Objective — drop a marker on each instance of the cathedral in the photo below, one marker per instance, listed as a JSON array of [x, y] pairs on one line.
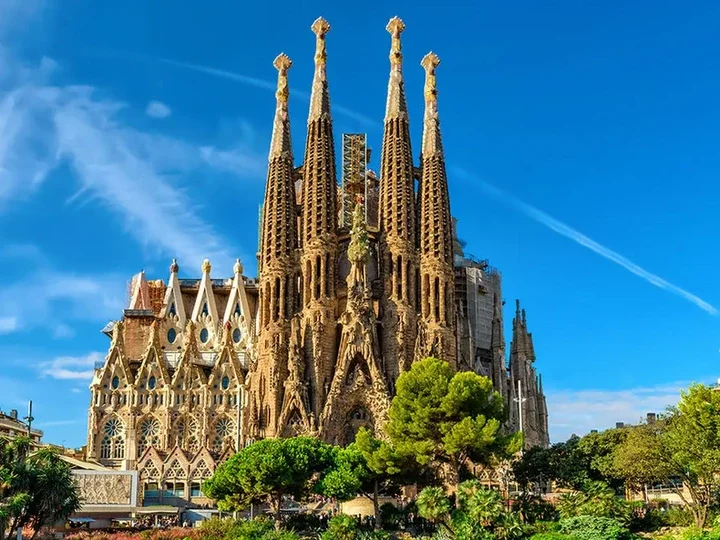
[[357, 280]]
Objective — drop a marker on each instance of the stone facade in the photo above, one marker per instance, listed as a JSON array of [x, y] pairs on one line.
[[198, 368]]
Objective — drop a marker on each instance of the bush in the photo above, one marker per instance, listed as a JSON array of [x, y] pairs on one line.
[[534, 508], [594, 528], [551, 536], [595, 499], [342, 527]]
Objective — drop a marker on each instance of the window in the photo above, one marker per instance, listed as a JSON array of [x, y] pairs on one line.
[[237, 335], [172, 310], [149, 435], [171, 335], [195, 490], [115, 383], [237, 309], [204, 335], [152, 382], [205, 309], [112, 445], [225, 382]]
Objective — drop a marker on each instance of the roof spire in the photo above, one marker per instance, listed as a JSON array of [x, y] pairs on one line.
[[432, 142], [396, 104], [320, 98], [280, 145]]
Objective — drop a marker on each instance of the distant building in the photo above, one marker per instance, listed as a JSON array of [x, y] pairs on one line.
[[11, 426]]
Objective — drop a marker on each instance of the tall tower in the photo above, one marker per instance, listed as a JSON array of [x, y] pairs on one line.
[[397, 221], [278, 271], [437, 328], [319, 231]]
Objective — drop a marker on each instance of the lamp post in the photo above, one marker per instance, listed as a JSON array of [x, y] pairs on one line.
[[520, 400], [29, 419]]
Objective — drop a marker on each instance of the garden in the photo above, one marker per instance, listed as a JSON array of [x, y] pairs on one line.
[[442, 426]]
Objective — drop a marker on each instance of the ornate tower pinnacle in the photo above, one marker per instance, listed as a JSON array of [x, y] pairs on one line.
[[397, 219], [319, 97], [206, 266], [432, 142], [436, 237], [319, 229], [395, 26], [281, 145]]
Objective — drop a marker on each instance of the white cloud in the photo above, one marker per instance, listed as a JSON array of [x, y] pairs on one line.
[[579, 411], [157, 109], [8, 325], [76, 390], [44, 296], [579, 238], [136, 174], [71, 367]]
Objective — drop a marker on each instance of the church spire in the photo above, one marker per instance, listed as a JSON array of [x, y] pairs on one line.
[[319, 179], [397, 198], [436, 260], [278, 238]]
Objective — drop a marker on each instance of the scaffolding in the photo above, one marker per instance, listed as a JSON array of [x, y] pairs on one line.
[[354, 175]]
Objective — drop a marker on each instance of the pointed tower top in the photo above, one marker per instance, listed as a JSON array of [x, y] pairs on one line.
[[517, 307], [319, 98], [174, 268], [206, 266], [432, 142], [282, 63], [430, 62], [395, 26], [238, 268], [280, 143], [320, 28]]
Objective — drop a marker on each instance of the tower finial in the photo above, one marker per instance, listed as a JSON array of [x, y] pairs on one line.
[[206, 266], [238, 267], [282, 63], [320, 97], [395, 26], [320, 28], [174, 267], [430, 62], [517, 306], [280, 143]]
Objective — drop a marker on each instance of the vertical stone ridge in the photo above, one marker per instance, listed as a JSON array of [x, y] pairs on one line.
[[319, 232], [397, 221], [435, 224]]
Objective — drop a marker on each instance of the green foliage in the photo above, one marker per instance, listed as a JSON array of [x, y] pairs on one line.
[[691, 447], [480, 513], [443, 417], [533, 508], [594, 528], [342, 527], [36, 488], [260, 528], [551, 536], [640, 459], [433, 504], [269, 469], [595, 499]]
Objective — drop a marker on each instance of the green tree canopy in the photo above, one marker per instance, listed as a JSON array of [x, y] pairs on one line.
[[36, 488], [446, 418], [691, 448], [269, 469]]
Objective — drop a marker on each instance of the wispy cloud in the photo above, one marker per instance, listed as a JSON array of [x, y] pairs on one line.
[[579, 238], [8, 325], [71, 367], [134, 173], [261, 83], [157, 109], [62, 331], [579, 411]]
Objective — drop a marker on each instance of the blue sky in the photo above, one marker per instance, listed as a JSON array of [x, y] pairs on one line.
[[581, 140]]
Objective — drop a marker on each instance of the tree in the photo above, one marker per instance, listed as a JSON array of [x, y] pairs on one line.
[[447, 419], [36, 488], [597, 451], [268, 470], [369, 467], [640, 459], [534, 466], [691, 448]]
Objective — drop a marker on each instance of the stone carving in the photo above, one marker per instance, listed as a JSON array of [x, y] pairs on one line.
[[100, 489]]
